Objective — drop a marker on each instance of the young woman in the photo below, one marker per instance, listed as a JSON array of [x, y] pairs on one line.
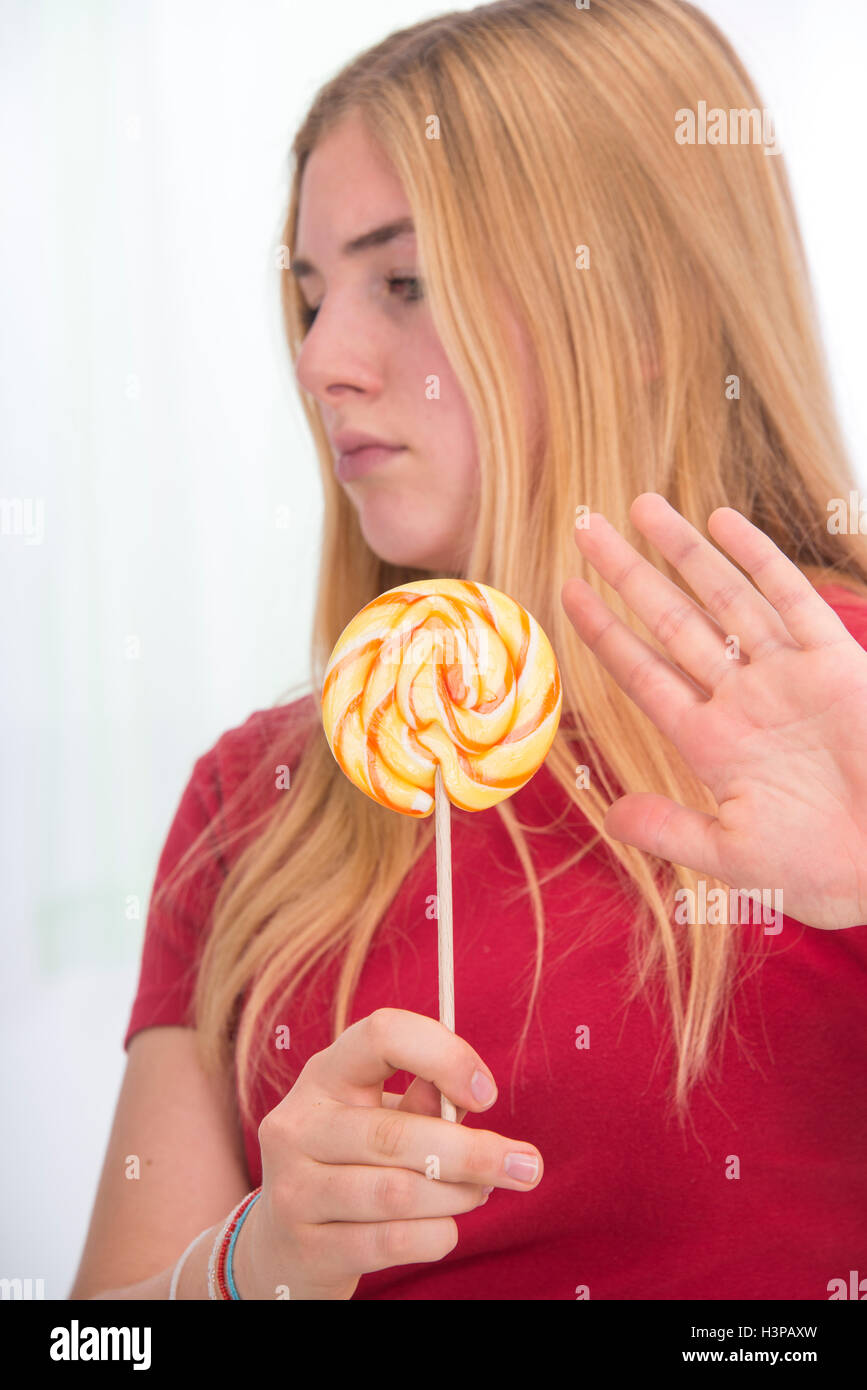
[[570, 339]]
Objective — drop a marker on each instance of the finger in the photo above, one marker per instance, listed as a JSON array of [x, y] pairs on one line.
[[804, 613], [660, 826], [663, 692], [365, 1055], [341, 1249], [423, 1098], [424, 1143], [362, 1192], [695, 641], [736, 605]]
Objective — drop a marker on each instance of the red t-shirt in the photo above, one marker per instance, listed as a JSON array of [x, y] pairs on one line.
[[630, 1206]]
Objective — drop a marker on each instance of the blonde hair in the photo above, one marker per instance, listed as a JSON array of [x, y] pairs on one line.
[[556, 130]]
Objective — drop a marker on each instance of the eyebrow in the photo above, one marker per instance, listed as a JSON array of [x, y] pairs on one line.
[[377, 237]]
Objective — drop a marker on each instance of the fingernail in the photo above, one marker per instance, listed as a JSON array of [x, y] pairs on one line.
[[487, 1190], [524, 1167], [482, 1087]]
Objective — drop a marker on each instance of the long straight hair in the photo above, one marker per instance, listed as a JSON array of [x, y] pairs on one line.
[[536, 143]]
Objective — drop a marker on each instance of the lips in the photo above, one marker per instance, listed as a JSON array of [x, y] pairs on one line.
[[347, 441], [359, 461], [358, 452]]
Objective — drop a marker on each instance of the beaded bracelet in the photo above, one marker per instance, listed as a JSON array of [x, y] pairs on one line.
[[217, 1286], [254, 1197], [221, 1284]]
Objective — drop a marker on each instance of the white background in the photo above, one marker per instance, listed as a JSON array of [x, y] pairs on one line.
[[146, 398]]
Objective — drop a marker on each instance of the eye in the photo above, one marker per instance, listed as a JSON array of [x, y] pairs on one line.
[[414, 293], [414, 283]]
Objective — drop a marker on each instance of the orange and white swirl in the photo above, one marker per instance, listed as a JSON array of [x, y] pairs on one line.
[[448, 672]]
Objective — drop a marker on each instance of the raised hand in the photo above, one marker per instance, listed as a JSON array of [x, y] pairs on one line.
[[774, 721]]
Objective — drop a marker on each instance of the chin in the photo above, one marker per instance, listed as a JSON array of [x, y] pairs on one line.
[[404, 557], [397, 551], [397, 545]]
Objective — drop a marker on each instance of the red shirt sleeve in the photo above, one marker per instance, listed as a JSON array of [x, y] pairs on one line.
[[176, 928]]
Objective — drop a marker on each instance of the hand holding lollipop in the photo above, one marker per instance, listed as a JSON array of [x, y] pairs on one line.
[[440, 691]]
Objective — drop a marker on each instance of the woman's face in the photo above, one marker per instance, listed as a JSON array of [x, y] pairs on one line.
[[371, 353]]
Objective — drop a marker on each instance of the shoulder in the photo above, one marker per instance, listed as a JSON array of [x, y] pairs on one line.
[[268, 739]]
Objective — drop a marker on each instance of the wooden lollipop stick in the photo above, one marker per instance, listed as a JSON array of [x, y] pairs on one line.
[[445, 943]]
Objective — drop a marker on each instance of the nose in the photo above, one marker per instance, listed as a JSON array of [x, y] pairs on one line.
[[339, 358]]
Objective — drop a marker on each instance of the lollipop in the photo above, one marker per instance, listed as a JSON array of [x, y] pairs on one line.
[[441, 691]]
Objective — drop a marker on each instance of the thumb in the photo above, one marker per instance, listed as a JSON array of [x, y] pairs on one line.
[[660, 826]]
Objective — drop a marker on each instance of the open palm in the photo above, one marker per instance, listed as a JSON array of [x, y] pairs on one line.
[[767, 704]]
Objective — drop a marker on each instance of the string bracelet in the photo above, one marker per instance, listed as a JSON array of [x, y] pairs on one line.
[[173, 1291]]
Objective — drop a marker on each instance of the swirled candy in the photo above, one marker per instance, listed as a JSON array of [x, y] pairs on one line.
[[441, 672]]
